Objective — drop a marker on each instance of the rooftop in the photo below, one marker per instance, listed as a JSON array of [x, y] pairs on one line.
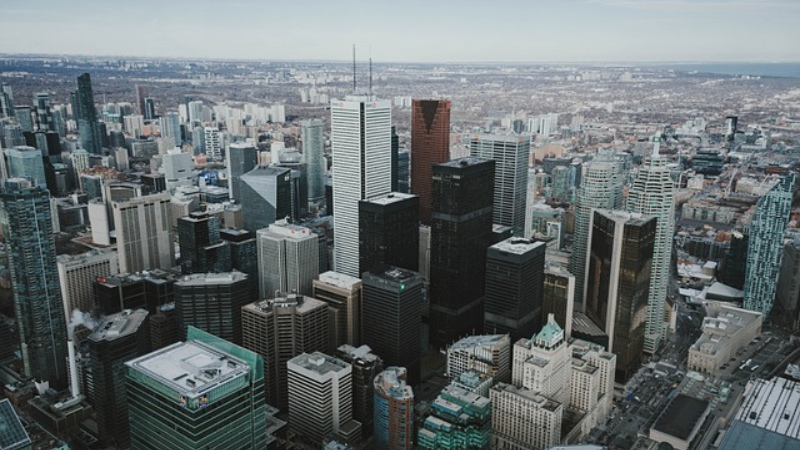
[[288, 230], [300, 302], [487, 340], [319, 363], [539, 400], [362, 354], [772, 405], [744, 435], [681, 416], [119, 325], [12, 434], [463, 162], [392, 197], [204, 279], [339, 280], [518, 245]]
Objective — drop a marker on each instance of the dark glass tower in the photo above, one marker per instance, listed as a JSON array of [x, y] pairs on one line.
[[242, 158], [388, 232], [113, 294], [618, 282], [395, 158], [392, 317], [28, 229], [430, 144], [91, 139], [202, 249], [735, 261], [213, 302], [461, 231], [266, 193], [514, 287]]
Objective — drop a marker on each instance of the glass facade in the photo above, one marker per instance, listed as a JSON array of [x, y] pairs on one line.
[[91, 138], [266, 193], [389, 232], [430, 144], [213, 303]]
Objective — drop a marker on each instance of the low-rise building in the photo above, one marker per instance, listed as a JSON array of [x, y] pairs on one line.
[[726, 329]]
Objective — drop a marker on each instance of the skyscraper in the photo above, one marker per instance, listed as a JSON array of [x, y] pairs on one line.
[[618, 282], [144, 233], [26, 162], [652, 195], [213, 145], [559, 296], [242, 158], [510, 153], [77, 274], [213, 303], [514, 287], [91, 139], [314, 157], [765, 247], [203, 384], [342, 293], [430, 144], [388, 232], [171, 127], [267, 192], [366, 365], [141, 94], [394, 410], [288, 259], [361, 148], [44, 117], [461, 231], [28, 229], [202, 249], [280, 329], [392, 314], [601, 188]]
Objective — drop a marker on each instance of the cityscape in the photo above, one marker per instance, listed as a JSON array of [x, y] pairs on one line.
[[353, 252]]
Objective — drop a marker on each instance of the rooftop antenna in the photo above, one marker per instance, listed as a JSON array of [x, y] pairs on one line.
[[370, 75], [354, 68]]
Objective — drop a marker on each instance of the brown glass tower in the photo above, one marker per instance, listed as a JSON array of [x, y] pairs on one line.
[[430, 144]]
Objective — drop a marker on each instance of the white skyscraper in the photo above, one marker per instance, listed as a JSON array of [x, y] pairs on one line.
[[178, 166], [144, 233], [288, 259], [652, 194], [213, 144], [361, 144], [77, 274]]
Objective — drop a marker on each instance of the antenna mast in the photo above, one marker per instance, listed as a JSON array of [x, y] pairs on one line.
[[354, 68], [370, 76]]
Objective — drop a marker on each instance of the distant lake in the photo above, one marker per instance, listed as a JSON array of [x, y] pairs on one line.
[[784, 70]]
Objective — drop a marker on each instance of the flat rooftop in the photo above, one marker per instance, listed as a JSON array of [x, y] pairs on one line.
[[339, 280], [518, 245], [301, 303], [204, 279], [319, 363], [286, 230], [463, 162], [772, 405], [744, 435], [119, 325], [681, 416], [479, 341], [539, 400], [387, 199], [12, 434]]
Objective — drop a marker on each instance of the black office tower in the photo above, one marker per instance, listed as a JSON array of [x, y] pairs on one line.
[[213, 303], [388, 232], [89, 128], [461, 231], [202, 249], [392, 317], [244, 254], [514, 287], [116, 293], [395, 159]]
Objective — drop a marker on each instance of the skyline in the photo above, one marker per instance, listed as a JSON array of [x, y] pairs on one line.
[[709, 31]]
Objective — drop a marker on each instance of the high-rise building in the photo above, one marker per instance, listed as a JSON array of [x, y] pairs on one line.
[[514, 287], [204, 384], [559, 296], [388, 232], [178, 168], [144, 233], [202, 249], [395, 158], [542, 363], [288, 259], [652, 194], [26, 162], [394, 410], [320, 397], [618, 282], [171, 127], [280, 329], [403, 171], [787, 299], [118, 338], [523, 419], [118, 292], [458, 419], [44, 117], [361, 149], [510, 153], [489, 354], [141, 93], [213, 303], [6, 101], [342, 293], [314, 157], [27, 227], [242, 158], [267, 194], [430, 145], [91, 138], [734, 264], [212, 143], [392, 317], [77, 275], [601, 188], [244, 254], [366, 366], [149, 112], [461, 231], [24, 118], [765, 247]]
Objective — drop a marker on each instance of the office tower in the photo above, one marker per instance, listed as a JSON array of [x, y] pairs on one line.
[[198, 140], [458, 419], [489, 354], [299, 182], [734, 263], [395, 160], [765, 247], [314, 157], [141, 95], [430, 145], [541, 364], [202, 249], [149, 112], [266, 192], [514, 287], [361, 169], [618, 282], [244, 254], [7, 347], [544, 125], [601, 188], [394, 410], [366, 366], [403, 171], [559, 296], [591, 382], [165, 327], [652, 194], [461, 231], [178, 169], [44, 118], [522, 419], [77, 275], [560, 189], [24, 118], [203, 384], [13, 135], [388, 232], [195, 110], [6, 101], [242, 158], [26, 162], [118, 292], [288, 259], [144, 233], [787, 298], [392, 317], [320, 397], [731, 123], [510, 153], [280, 329], [212, 145], [213, 303], [91, 138], [342, 293], [171, 127], [118, 338], [28, 231]]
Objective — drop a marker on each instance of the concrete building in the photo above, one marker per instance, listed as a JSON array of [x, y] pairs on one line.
[[394, 410], [457, 419], [366, 366], [77, 274], [288, 259], [725, 330], [178, 168], [144, 233], [212, 143], [489, 354], [787, 302], [523, 419], [542, 363], [343, 294], [680, 421], [213, 302]]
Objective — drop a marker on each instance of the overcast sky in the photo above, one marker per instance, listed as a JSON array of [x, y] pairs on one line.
[[410, 30]]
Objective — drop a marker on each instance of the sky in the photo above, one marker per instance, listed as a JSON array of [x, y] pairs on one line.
[[410, 30]]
